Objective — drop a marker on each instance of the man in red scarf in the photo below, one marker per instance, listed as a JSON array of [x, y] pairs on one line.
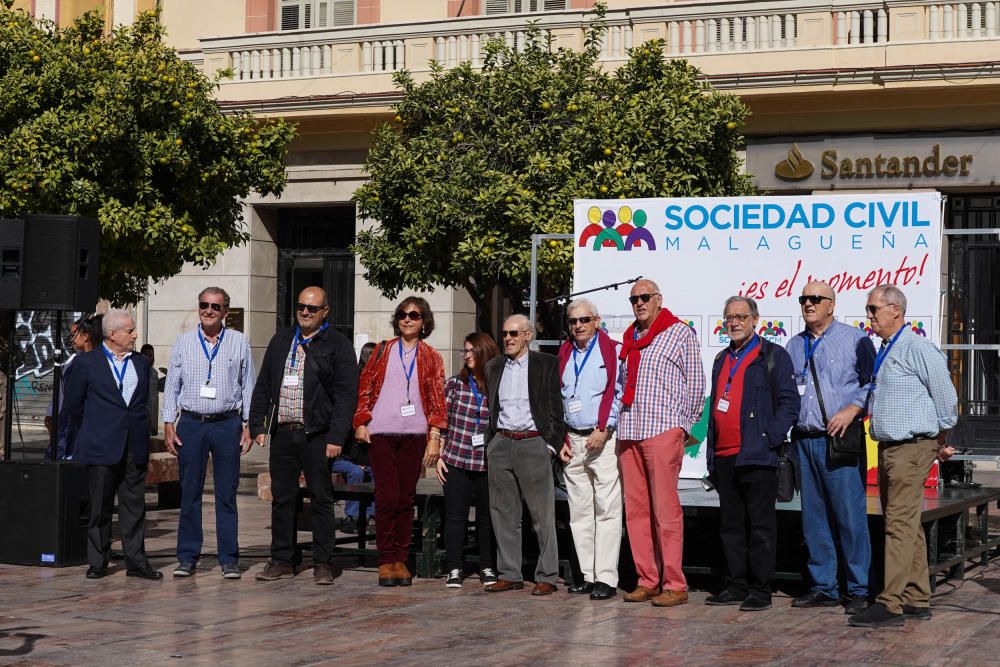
[[663, 398]]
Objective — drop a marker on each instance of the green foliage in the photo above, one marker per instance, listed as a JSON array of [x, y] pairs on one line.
[[120, 128], [477, 162]]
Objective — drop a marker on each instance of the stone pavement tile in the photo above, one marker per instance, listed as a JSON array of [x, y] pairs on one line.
[[710, 654]]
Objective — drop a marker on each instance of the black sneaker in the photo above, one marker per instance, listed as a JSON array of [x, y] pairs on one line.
[[454, 579], [753, 603], [919, 613], [488, 576], [856, 604], [184, 569], [876, 616], [815, 599], [723, 599]]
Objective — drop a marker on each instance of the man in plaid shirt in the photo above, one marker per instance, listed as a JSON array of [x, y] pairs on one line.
[[664, 393]]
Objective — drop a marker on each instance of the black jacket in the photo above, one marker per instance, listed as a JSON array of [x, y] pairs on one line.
[[544, 395], [330, 384]]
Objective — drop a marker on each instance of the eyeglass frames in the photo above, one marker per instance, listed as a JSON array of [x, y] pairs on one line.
[[414, 315], [205, 305], [814, 299], [582, 320], [513, 333], [634, 299], [299, 307], [871, 310]]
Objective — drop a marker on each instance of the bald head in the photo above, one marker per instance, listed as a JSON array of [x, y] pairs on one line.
[[646, 302], [311, 310], [517, 333], [817, 303], [820, 287]]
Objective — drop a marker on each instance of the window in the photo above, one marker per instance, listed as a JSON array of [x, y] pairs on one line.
[[305, 14], [520, 6]]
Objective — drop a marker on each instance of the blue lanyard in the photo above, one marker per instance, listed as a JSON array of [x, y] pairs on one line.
[[479, 399], [215, 350], [114, 369], [299, 340], [739, 360], [579, 369], [811, 349], [408, 372], [880, 357]]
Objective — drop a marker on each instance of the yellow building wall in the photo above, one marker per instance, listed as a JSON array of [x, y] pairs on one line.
[[188, 20], [405, 11]]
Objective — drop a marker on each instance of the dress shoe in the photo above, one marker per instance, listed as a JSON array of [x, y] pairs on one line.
[[586, 587], [642, 594], [323, 574], [919, 613], [403, 576], [857, 604], [603, 592], [349, 525], [754, 603], [669, 599], [815, 599], [544, 588], [275, 569], [505, 585], [97, 572], [144, 572], [387, 574], [876, 616], [724, 598]]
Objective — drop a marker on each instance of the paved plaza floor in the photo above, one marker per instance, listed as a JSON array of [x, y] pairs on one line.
[[57, 617]]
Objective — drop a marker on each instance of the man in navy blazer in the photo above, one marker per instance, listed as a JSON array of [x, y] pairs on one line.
[[106, 400]]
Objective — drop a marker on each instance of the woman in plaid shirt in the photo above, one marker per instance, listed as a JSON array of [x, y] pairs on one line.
[[462, 466]]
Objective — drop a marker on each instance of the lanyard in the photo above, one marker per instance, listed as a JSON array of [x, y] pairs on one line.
[[739, 360], [408, 372], [811, 349], [882, 354], [579, 369], [299, 340], [114, 368], [479, 399], [215, 350]]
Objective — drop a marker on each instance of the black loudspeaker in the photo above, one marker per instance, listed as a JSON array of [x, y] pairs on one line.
[[60, 263], [45, 510], [11, 263]]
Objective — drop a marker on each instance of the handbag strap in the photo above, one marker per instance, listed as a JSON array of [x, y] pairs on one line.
[[819, 392], [782, 449]]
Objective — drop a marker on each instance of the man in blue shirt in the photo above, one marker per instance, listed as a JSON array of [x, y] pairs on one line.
[[833, 494], [912, 405], [591, 391]]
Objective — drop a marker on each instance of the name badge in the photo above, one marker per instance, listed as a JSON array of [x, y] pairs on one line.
[[290, 381], [802, 389], [206, 391], [408, 410], [723, 405], [574, 406], [479, 440], [800, 383]]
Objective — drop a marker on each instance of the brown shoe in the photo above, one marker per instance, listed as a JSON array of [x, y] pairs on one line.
[[641, 594], [323, 574], [670, 599], [387, 574], [543, 588], [275, 569], [504, 585], [403, 576]]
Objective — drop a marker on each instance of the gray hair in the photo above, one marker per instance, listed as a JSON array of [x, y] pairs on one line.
[[114, 320], [521, 319], [582, 303], [742, 299], [216, 290], [891, 294]]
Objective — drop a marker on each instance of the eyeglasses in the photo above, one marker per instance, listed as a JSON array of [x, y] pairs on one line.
[[582, 320], [468, 352], [814, 299], [205, 305], [634, 299], [513, 333], [299, 307], [414, 315], [874, 309], [737, 317]]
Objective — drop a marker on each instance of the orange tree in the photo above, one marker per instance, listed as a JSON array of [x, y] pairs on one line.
[[118, 127], [476, 162]]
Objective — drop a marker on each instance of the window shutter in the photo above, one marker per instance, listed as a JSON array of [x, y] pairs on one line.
[[497, 7], [290, 15], [343, 12], [322, 14], [554, 5]]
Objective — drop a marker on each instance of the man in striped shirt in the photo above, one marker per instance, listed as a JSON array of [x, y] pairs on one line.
[[206, 405], [664, 394]]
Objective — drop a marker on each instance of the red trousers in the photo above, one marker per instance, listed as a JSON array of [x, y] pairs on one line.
[[396, 461]]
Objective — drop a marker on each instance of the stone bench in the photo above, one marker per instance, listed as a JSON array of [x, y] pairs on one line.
[[164, 472]]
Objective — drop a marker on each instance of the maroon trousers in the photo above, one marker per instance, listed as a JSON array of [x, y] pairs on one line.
[[396, 462]]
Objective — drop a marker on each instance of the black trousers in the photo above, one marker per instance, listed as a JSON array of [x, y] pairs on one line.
[[128, 481], [748, 525], [291, 453], [460, 487]]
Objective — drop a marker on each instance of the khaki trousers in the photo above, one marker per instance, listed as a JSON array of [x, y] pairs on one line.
[[594, 488]]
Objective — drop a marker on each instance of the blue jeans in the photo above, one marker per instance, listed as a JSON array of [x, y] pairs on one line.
[[353, 474], [833, 503], [222, 440]]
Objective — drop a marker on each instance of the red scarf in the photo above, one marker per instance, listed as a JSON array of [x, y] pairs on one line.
[[632, 349]]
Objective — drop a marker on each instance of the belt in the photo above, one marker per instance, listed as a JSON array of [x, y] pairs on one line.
[[292, 426], [212, 417], [580, 431], [519, 435], [909, 441], [800, 433]]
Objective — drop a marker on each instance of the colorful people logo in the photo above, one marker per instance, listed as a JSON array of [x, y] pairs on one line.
[[917, 328], [720, 329], [864, 326], [773, 329], [690, 323], [630, 233]]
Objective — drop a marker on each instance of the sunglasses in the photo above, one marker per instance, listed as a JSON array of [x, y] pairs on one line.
[[634, 299], [513, 333], [582, 320], [874, 309], [205, 305], [300, 307], [814, 299], [414, 315]]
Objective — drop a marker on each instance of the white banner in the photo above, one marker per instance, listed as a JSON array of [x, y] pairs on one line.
[[702, 251]]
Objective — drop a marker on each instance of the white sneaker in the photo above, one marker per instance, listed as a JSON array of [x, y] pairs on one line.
[[454, 579]]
